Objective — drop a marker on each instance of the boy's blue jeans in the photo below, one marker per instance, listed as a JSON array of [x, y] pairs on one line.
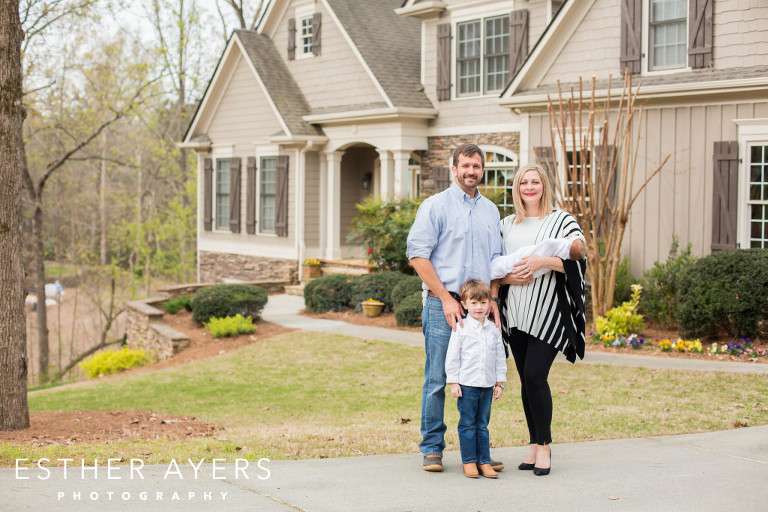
[[437, 333], [475, 412]]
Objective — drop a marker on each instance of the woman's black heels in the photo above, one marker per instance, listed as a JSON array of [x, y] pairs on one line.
[[545, 471], [526, 466]]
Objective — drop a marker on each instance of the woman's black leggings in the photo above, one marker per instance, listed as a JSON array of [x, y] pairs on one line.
[[533, 359]]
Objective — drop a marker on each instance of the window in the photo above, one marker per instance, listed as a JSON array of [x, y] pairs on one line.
[[305, 36], [482, 55], [757, 199], [499, 173], [267, 194], [222, 193], [667, 34]]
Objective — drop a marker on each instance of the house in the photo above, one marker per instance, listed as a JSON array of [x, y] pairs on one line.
[[331, 101], [703, 68]]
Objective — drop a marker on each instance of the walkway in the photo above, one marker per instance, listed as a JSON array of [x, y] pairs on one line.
[[284, 310]]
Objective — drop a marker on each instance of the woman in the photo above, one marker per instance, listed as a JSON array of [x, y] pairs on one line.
[[544, 315]]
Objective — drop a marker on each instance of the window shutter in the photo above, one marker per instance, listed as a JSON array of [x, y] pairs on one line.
[[699, 33], [234, 195], [518, 40], [281, 221], [316, 23], [291, 38], [442, 177], [631, 29], [208, 194], [250, 197], [725, 195], [546, 158], [444, 61]]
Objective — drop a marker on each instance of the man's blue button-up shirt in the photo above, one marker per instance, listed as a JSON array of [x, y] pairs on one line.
[[458, 234]]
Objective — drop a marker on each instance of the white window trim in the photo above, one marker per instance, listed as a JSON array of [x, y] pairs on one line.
[[262, 152], [514, 164], [750, 132], [646, 32], [302, 14], [474, 12], [219, 152]]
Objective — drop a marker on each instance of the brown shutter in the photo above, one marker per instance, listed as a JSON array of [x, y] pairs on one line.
[[234, 195], [444, 61], [631, 30], [700, 33], [725, 192], [316, 23], [208, 194], [291, 38], [442, 177], [281, 222], [546, 158], [518, 40], [250, 197]]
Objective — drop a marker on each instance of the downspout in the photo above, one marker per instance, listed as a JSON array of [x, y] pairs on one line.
[[301, 159]]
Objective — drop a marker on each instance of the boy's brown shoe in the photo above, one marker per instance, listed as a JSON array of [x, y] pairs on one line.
[[487, 471], [470, 470], [432, 463], [497, 465]]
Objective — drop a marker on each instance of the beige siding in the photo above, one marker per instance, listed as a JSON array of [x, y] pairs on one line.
[[738, 23], [679, 200], [312, 202], [355, 162], [334, 78]]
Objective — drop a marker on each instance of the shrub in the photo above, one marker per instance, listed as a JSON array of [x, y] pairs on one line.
[[113, 361], [405, 288], [724, 292], [660, 285], [383, 228], [622, 291], [408, 312], [173, 306], [377, 285], [222, 300], [624, 319], [328, 293], [229, 326]]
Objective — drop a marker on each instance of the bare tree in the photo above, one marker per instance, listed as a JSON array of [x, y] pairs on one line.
[[599, 186], [247, 14], [14, 412]]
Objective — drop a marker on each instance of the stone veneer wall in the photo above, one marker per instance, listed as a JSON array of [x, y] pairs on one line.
[[216, 267], [145, 330], [441, 148]]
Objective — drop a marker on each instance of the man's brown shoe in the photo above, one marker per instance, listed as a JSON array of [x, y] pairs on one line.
[[470, 470], [432, 463], [487, 471]]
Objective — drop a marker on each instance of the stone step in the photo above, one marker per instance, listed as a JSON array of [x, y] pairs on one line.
[[297, 289], [344, 269]]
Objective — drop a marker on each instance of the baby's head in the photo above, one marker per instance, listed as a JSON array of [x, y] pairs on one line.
[[476, 298]]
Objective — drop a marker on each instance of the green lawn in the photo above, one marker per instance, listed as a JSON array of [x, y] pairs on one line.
[[305, 395]]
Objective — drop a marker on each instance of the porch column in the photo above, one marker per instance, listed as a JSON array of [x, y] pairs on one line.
[[323, 203], [402, 176], [333, 205], [385, 173]]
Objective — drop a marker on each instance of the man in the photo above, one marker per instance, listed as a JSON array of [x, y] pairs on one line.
[[455, 236]]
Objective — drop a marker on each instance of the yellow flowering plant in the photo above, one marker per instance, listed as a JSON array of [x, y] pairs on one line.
[[312, 262], [624, 319]]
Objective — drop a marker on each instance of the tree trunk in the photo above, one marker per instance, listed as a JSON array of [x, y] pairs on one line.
[[14, 413], [103, 202], [38, 262]]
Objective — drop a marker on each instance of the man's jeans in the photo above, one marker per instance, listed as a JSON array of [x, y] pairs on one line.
[[437, 333], [475, 412]]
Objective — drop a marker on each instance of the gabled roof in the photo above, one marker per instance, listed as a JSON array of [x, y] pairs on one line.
[[389, 44], [281, 87]]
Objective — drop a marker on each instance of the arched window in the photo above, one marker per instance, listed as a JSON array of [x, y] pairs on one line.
[[500, 167]]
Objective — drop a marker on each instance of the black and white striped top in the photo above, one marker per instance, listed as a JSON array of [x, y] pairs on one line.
[[533, 308]]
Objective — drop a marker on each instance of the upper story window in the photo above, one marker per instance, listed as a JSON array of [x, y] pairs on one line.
[[222, 193], [305, 36], [482, 55], [667, 34], [304, 33]]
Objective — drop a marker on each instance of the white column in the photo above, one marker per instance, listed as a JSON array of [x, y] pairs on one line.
[[333, 205], [402, 176], [323, 204], [385, 184]]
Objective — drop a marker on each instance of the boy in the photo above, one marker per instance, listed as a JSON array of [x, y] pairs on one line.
[[476, 369]]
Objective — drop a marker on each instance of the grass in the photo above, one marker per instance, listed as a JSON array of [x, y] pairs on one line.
[[307, 395]]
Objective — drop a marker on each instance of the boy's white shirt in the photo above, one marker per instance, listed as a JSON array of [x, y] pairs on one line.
[[476, 355], [560, 247]]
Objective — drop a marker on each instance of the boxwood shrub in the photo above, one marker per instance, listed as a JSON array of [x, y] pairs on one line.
[[724, 293], [222, 300], [331, 292], [408, 312], [405, 288], [377, 285]]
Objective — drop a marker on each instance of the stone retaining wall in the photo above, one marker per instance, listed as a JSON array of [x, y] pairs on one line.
[[219, 267]]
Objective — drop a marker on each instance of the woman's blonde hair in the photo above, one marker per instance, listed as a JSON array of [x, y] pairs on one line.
[[547, 195]]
